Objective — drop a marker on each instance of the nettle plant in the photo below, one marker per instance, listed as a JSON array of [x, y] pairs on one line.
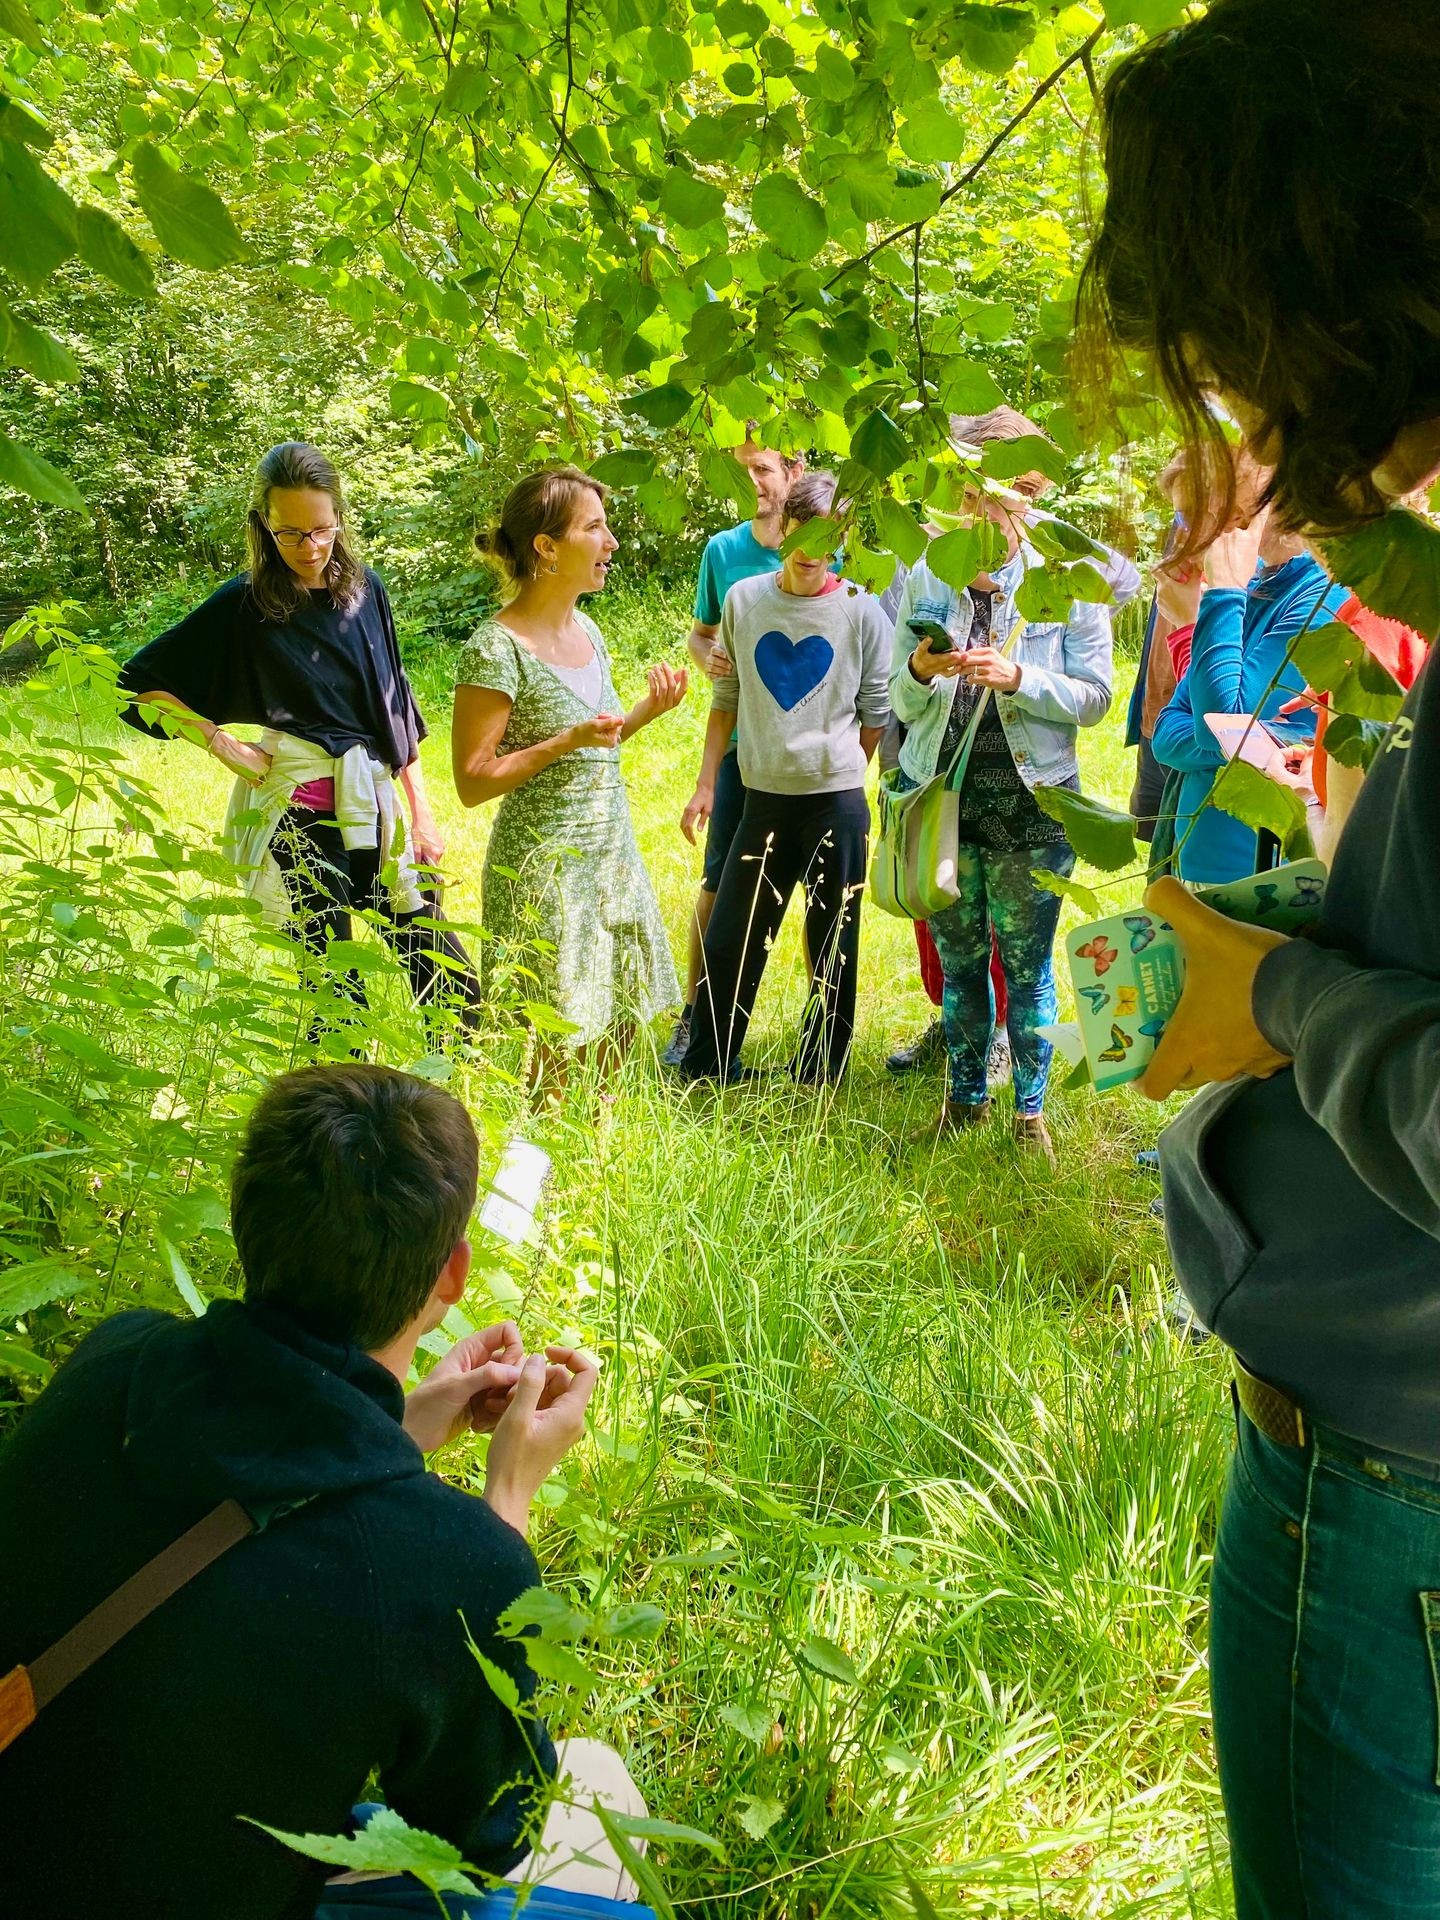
[[142, 1007]]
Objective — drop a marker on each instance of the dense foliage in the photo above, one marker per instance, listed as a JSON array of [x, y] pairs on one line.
[[450, 240]]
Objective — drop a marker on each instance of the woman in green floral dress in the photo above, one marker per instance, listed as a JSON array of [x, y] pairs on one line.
[[538, 726]]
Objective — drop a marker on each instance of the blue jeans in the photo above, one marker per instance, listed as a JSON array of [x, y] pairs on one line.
[[1325, 1677], [996, 890]]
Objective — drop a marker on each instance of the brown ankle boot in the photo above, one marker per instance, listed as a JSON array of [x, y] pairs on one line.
[[956, 1116], [1033, 1136]]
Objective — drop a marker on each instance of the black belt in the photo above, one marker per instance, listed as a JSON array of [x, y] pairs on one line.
[[1273, 1412]]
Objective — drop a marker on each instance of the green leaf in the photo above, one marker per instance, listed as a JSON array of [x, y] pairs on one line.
[[670, 58], [794, 222], [626, 467], [932, 133], [897, 528], [184, 1285], [1393, 566], [993, 38], [107, 248], [967, 387], [432, 359], [920, 1901], [555, 1662], [750, 1718], [878, 444], [757, 1816], [831, 1660], [1100, 836], [1257, 801], [955, 557], [1031, 453], [1058, 540], [18, 23], [689, 201], [35, 1283], [639, 1826], [28, 473], [727, 478], [467, 89], [1354, 742], [1151, 16], [414, 400], [500, 1683], [38, 352], [1335, 660], [547, 1611], [37, 220], [191, 222], [631, 1620], [385, 1844], [660, 407], [1063, 889]]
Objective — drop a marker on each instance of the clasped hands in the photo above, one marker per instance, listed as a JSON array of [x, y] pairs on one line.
[[532, 1406]]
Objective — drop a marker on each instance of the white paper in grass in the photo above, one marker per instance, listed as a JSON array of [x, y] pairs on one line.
[[508, 1209]]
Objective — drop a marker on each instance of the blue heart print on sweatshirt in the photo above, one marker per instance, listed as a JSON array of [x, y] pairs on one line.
[[791, 669]]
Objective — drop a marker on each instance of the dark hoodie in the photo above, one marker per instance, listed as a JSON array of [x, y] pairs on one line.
[[328, 1644]]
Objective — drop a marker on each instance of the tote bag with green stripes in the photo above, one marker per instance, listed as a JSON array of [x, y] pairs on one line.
[[912, 874]]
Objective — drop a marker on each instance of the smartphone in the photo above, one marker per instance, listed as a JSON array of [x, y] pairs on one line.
[[940, 640]]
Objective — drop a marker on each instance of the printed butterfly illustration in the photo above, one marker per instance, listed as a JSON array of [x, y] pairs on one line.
[[1267, 897], [1120, 1043], [1099, 997], [1100, 951], [1141, 929], [1152, 1029], [1309, 890], [1126, 999]]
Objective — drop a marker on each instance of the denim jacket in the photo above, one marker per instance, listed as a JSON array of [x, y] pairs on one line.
[[1065, 677]]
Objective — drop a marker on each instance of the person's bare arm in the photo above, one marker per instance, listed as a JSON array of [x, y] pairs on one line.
[[870, 738], [718, 729], [238, 755], [482, 772]]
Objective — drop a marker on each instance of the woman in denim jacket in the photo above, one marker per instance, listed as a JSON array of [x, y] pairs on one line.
[[1056, 679]]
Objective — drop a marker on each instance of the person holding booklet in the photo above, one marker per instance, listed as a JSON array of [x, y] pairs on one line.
[[1271, 235], [810, 655], [971, 681]]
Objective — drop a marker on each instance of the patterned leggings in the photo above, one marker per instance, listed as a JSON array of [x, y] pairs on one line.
[[996, 891]]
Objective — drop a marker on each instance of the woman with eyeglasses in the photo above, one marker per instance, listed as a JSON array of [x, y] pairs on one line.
[[303, 645]]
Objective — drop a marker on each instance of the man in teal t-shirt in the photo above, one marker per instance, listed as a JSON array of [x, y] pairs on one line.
[[739, 553]]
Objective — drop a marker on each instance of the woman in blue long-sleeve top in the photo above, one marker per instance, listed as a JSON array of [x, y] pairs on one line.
[[1237, 665]]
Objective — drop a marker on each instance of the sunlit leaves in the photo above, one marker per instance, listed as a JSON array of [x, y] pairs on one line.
[[385, 1844], [1393, 565], [879, 444], [18, 23], [105, 246], [898, 528], [1100, 835], [726, 477], [794, 220], [1255, 800], [37, 220], [34, 349], [28, 473], [190, 220], [628, 467], [1335, 660], [660, 407], [690, 201]]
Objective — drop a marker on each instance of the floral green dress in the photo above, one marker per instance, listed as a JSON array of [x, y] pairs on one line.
[[565, 892]]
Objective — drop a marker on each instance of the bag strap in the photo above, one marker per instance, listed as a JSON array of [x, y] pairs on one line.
[[25, 1690]]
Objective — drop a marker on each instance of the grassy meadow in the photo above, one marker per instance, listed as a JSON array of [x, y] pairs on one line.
[[895, 1438]]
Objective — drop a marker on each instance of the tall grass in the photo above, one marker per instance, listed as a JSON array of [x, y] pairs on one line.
[[893, 1435]]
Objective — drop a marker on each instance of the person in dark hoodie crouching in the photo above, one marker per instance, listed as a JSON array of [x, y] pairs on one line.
[[330, 1643]]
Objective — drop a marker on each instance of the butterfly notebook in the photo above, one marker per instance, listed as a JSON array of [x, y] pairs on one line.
[[1128, 970]]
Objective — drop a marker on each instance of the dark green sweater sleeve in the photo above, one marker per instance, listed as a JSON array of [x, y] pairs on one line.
[[1366, 1046]]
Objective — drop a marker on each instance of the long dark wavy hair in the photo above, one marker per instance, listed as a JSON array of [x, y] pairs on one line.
[[1272, 230], [294, 464]]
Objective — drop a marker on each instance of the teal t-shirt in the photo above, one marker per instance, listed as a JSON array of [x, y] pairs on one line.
[[732, 555]]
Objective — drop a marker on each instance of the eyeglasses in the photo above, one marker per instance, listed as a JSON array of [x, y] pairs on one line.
[[292, 537]]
